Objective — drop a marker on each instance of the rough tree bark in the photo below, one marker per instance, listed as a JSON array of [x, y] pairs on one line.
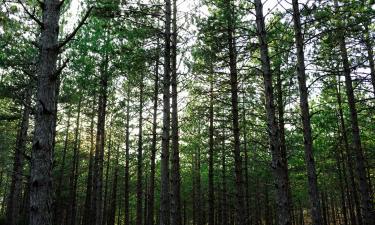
[[45, 116], [278, 167]]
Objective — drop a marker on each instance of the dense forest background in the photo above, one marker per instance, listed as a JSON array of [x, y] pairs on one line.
[[217, 112]]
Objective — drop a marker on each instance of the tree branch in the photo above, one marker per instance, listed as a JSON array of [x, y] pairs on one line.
[[71, 35], [60, 69], [32, 15]]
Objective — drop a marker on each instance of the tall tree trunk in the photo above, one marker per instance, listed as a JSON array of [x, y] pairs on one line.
[[198, 190], [353, 184], [211, 202], [164, 171], [370, 55], [140, 157], [99, 147], [59, 206], [112, 211], [88, 209], [108, 167], [240, 203], [74, 171], [224, 203], [305, 114], [45, 117], [176, 218], [278, 164], [127, 159], [366, 201], [150, 218], [15, 194]]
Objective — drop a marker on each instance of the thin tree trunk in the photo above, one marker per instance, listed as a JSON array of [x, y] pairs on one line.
[[74, 172], [15, 194], [353, 184], [306, 124], [224, 203], [366, 200], [151, 197], [278, 163], [211, 201], [112, 211], [164, 171], [140, 156], [108, 167], [370, 55], [150, 218], [88, 209], [127, 159]]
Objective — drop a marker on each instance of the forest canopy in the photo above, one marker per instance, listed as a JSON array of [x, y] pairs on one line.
[[178, 112]]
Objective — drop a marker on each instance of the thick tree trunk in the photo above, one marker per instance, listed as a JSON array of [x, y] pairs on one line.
[[88, 209], [127, 159], [164, 171], [151, 197], [15, 194], [278, 163], [366, 200], [45, 117], [240, 203], [140, 157], [99, 147], [176, 218]]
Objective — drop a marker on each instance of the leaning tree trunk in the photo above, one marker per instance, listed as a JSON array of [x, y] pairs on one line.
[[366, 200], [164, 171], [45, 116], [278, 167], [240, 203], [175, 159], [306, 124], [15, 194]]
